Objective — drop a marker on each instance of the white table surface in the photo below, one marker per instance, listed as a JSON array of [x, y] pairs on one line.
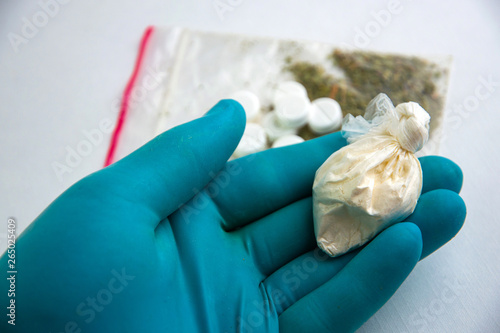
[[66, 77]]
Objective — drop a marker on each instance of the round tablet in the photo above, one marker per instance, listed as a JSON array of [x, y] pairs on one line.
[[249, 101], [273, 128], [254, 140], [292, 111], [325, 115], [287, 140], [287, 88]]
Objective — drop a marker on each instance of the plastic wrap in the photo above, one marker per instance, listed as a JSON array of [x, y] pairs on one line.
[[192, 70], [374, 181]]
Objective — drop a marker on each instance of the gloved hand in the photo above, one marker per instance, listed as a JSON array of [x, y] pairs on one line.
[[173, 239]]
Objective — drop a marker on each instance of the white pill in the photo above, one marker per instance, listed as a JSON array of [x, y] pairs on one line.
[[287, 88], [325, 115], [250, 103], [273, 128], [292, 111], [287, 140], [254, 140]]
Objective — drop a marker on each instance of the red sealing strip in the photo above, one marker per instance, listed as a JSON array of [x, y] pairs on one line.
[[115, 137]]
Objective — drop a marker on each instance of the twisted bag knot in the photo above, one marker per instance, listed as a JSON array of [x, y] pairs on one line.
[[412, 128]]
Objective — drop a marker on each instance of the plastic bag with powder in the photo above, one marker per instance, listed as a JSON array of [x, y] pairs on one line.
[[373, 182]]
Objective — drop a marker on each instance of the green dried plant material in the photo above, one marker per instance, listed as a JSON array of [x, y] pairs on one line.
[[402, 78], [367, 74], [313, 77]]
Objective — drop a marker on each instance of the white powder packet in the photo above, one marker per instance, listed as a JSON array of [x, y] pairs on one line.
[[373, 182]]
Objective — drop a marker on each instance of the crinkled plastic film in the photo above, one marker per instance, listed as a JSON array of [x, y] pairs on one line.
[[195, 69], [374, 181]]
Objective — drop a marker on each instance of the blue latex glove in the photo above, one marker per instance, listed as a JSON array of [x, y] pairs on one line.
[[155, 243]]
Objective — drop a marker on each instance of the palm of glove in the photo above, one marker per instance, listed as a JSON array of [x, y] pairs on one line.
[[173, 239]]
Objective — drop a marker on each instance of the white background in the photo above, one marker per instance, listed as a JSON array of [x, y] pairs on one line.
[[68, 75]]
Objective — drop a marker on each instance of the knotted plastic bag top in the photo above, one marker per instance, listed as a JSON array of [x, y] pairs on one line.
[[374, 181], [408, 123]]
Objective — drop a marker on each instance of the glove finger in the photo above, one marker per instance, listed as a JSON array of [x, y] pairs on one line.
[[303, 275], [167, 171], [439, 215], [440, 173], [288, 233], [280, 237], [262, 183], [362, 287]]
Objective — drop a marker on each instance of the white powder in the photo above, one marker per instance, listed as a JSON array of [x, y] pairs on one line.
[[373, 182]]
